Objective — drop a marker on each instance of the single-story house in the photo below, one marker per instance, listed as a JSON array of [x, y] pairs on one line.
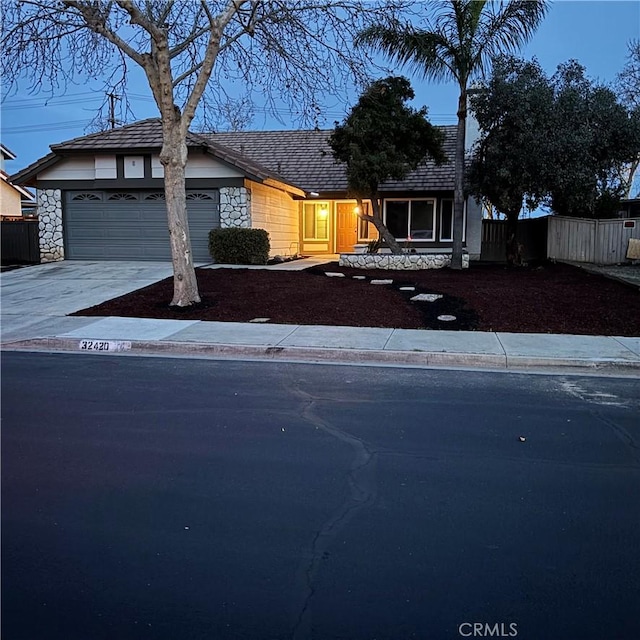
[[100, 196]]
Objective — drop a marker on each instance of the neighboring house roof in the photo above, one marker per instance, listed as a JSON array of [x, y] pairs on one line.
[[25, 194], [301, 159], [7, 153], [305, 158]]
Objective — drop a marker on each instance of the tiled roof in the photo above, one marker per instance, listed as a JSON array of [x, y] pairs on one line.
[[300, 159], [147, 135], [304, 158]]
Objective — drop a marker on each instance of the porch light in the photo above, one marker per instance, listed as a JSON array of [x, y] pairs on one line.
[[356, 210], [314, 194]]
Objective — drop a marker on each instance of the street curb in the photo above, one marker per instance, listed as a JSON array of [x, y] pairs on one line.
[[339, 356]]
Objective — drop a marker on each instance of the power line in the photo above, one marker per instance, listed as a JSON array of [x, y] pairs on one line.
[[26, 103], [58, 126]]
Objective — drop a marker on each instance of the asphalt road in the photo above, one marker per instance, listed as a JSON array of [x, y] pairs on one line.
[[193, 499]]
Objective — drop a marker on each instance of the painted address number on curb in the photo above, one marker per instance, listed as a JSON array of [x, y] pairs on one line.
[[104, 345]]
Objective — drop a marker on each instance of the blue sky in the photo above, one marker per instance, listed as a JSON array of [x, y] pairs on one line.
[[594, 32]]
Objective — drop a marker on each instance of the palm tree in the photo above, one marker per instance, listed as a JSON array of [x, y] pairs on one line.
[[458, 43]]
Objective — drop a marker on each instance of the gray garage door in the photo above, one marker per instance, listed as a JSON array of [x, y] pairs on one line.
[[132, 225]]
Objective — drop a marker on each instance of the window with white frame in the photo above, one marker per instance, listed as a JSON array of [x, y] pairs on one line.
[[366, 230], [446, 220], [316, 220], [411, 219]]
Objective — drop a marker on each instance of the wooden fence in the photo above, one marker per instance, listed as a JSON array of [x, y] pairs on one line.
[[20, 242], [531, 234], [595, 241]]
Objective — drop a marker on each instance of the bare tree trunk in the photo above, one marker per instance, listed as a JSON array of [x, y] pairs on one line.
[[174, 160], [458, 193], [633, 167], [385, 234]]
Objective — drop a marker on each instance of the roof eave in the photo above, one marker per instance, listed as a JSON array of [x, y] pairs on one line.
[[29, 174], [283, 186]]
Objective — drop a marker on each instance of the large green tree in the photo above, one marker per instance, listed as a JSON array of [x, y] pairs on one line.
[[591, 140], [564, 141], [510, 160], [382, 138], [189, 51], [627, 86], [457, 40]]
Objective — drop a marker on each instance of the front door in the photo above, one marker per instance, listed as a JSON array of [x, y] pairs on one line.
[[346, 227]]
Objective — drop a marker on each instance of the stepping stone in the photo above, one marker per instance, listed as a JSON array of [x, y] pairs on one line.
[[381, 282], [407, 289], [260, 320], [359, 277], [334, 274], [447, 318], [426, 297]]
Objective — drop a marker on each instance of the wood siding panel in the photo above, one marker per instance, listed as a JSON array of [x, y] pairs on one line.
[[595, 241], [71, 169], [531, 234], [571, 239], [203, 166], [277, 213], [20, 242], [613, 240]]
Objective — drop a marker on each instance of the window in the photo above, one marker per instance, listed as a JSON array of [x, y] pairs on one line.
[[87, 196], [199, 196], [410, 219], [446, 220], [123, 196], [366, 230], [316, 220], [134, 167]]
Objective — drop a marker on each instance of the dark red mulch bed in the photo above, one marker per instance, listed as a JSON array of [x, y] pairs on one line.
[[552, 298]]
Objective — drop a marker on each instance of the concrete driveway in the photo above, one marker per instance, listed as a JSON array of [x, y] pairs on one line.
[[36, 299]]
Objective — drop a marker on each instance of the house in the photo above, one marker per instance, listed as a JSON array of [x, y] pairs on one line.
[[101, 196], [629, 208], [12, 196]]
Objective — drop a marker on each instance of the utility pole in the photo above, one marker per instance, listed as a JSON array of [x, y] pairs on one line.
[[112, 109]]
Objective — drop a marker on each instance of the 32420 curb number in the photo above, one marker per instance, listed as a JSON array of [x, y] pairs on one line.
[[103, 345]]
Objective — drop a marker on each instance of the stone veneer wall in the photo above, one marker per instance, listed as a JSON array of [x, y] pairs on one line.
[[407, 262], [50, 225], [235, 207]]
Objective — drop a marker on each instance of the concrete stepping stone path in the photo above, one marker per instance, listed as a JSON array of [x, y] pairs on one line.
[[426, 297]]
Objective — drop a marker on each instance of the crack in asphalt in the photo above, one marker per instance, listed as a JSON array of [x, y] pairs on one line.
[[362, 493]]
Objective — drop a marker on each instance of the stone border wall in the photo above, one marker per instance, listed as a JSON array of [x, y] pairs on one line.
[[235, 207], [50, 225], [405, 262]]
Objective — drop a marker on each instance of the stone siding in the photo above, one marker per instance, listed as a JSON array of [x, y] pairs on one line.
[[235, 207], [50, 225], [406, 262]]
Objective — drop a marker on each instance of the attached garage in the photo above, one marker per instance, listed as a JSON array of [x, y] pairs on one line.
[[132, 225]]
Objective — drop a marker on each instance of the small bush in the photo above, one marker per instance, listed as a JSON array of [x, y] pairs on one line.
[[239, 246]]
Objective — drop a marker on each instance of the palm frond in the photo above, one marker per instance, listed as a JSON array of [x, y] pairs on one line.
[[504, 28], [426, 53]]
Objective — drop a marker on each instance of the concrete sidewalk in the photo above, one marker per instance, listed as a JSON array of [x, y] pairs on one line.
[[36, 301], [336, 344]]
